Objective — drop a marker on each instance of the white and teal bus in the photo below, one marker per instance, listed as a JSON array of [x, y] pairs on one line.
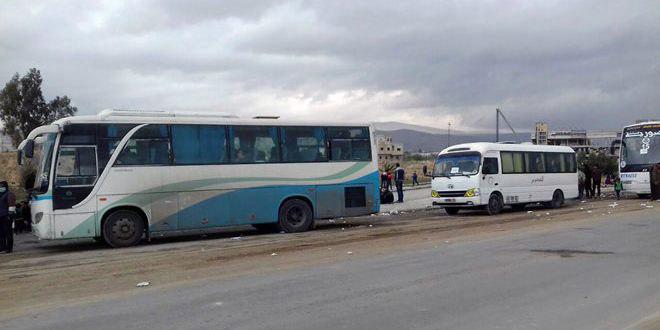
[[640, 150], [123, 175]]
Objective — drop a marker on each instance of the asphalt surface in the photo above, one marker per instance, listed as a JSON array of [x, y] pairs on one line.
[[598, 275]]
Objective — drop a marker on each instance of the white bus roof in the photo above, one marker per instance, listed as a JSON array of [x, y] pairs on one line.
[[652, 122], [483, 147], [168, 117]]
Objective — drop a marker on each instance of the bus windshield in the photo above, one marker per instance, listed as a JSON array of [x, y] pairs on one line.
[[641, 145], [42, 160], [457, 164]]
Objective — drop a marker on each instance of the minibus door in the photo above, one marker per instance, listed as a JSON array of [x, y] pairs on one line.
[[490, 178]]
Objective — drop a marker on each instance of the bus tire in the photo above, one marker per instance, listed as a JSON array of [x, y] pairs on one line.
[[295, 216], [123, 228], [452, 210], [495, 204], [557, 199]]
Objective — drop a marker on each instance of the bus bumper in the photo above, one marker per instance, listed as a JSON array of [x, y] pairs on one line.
[[457, 201]]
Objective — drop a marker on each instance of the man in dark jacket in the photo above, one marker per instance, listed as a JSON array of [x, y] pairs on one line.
[[655, 181], [6, 233], [596, 176], [399, 176]]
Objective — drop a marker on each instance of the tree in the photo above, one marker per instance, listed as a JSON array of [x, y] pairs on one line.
[[606, 163], [23, 108]]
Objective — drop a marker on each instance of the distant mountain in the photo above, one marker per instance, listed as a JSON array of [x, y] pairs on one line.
[[396, 126], [414, 140]]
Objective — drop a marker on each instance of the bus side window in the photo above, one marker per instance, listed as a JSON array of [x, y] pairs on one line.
[[490, 166]]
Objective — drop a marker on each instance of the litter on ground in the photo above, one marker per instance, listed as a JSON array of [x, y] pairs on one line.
[[273, 254], [143, 284]]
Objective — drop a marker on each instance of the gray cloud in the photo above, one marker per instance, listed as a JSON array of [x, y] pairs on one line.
[[587, 64]]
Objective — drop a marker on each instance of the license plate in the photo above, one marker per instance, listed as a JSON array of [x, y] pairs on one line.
[[450, 200]]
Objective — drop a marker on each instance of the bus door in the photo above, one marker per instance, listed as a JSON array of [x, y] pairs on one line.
[[490, 177]]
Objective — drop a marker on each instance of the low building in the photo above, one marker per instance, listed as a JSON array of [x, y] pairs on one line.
[[579, 140], [388, 151]]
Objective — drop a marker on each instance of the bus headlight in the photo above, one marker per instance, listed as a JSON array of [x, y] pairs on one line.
[[472, 192], [38, 217], [434, 194]]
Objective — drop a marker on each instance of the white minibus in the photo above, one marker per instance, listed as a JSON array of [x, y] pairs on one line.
[[494, 175]]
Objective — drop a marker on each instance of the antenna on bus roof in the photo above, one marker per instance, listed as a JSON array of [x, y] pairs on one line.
[[161, 113]]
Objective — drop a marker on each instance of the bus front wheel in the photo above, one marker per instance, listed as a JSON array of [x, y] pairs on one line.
[[123, 228], [295, 216], [495, 204]]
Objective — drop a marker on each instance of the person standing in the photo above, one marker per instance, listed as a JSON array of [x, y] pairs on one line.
[[618, 186], [596, 176], [6, 234], [581, 180], [414, 179], [587, 181], [655, 182], [383, 180], [399, 176], [389, 180], [425, 169]]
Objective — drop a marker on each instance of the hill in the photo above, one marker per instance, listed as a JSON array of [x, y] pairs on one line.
[[414, 140]]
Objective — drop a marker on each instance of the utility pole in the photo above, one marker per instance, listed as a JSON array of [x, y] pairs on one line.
[[448, 134], [498, 114], [497, 125]]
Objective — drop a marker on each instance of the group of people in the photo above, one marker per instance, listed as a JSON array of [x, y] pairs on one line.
[[398, 176], [589, 182]]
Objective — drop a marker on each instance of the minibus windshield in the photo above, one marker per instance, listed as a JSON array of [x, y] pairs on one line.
[[457, 164]]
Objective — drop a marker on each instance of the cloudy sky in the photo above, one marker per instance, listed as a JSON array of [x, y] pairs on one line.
[[575, 64]]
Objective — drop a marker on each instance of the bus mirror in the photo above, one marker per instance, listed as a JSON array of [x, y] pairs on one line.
[[28, 149]]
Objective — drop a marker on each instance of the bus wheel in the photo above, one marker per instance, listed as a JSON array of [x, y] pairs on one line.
[[557, 199], [451, 210], [295, 216], [123, 228], [494, 204]]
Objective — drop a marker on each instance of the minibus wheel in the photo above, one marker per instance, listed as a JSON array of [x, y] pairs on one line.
[[494, 204], [557, 199], [451, 210], [295, 216], [123, 228]]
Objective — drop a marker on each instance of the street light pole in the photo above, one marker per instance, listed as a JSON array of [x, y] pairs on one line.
[[448, 134]]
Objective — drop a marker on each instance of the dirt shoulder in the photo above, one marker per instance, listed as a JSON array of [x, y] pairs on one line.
[[48, 275]]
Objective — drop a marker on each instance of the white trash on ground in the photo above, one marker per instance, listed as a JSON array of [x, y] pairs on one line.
[[142, 284], [273, 254]]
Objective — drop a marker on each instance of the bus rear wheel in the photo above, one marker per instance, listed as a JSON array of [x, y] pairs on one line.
[[557, 199], [295, 216], [123, 228]]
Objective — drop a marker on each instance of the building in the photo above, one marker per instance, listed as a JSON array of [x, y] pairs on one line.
[[579, 140], [541, 133], [388, 151], [606, 141], [5, 142]]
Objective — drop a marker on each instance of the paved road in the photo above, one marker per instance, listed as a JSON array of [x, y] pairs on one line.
[[598, 274], [413, 199]]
